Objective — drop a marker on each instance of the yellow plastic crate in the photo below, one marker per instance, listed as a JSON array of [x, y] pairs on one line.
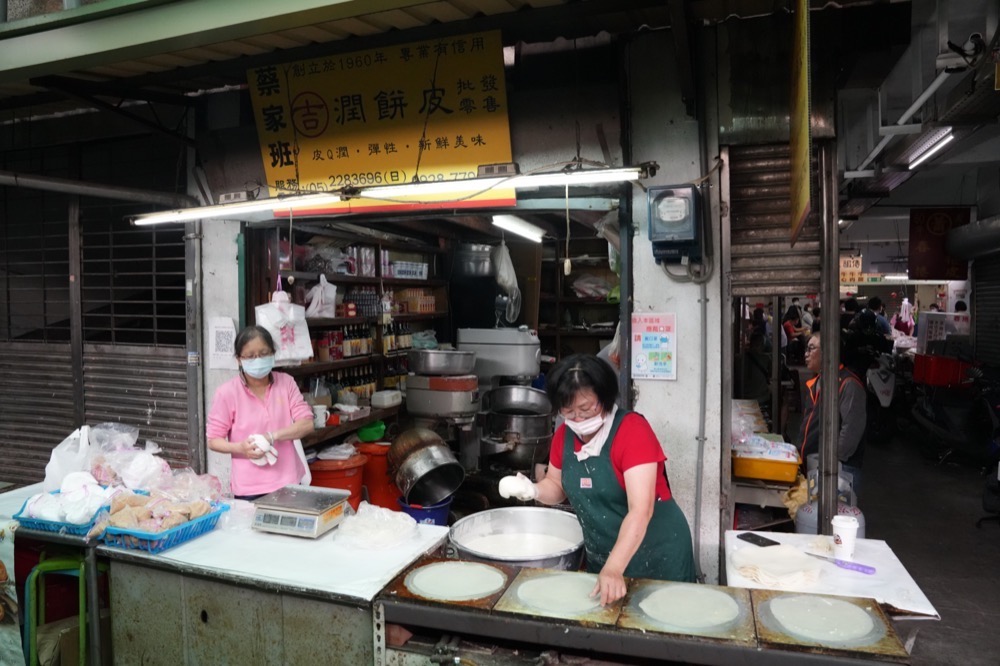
[[767, 470]]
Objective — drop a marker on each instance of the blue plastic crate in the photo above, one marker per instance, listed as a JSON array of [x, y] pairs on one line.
[[157, 542], [54, 525]]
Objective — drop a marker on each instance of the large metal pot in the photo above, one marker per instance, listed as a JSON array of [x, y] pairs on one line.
[[517, 426], [521, 520], [441, 362], [424, 468], [473, 260]]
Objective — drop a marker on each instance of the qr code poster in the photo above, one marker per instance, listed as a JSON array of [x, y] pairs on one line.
[[222, 338]]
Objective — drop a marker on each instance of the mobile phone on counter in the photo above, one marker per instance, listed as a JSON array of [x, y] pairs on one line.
[[756, 539]]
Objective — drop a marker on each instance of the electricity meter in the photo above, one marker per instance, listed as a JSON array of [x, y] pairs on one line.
[[674, 230]]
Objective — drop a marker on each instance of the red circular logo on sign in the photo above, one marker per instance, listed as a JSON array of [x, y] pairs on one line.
[[310, 115]]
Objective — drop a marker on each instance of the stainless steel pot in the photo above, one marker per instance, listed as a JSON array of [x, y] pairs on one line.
[[424, 468], [441, 362], [517, 426], [473, 260], [521, 520]]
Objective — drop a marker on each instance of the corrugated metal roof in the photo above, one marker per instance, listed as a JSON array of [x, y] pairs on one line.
[[195, 69]]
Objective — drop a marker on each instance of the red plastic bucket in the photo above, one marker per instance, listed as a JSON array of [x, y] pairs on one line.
[[343, 474], [382, 490]]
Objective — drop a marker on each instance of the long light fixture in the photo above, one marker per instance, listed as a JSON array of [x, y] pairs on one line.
[[524, 181], [234, 210], [460, 187], [516, 225], [897, 277], [938, 145]]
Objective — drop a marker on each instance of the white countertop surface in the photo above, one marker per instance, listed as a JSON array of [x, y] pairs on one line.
[[323, 564], [891, 584], [12, 501]]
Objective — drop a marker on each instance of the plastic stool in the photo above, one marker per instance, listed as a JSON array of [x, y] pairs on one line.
[[34, 596]]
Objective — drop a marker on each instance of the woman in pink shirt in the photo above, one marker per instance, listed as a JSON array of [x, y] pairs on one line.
[[258, 402]]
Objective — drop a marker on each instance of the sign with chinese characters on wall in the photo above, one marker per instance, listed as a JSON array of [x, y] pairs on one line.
[[929, 258], [654, 346], [850, 270], [417, 112]]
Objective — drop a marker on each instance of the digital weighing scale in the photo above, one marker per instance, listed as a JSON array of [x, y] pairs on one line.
[[303, 511]]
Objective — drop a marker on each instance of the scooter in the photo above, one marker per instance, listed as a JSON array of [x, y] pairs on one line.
[[961, 422]]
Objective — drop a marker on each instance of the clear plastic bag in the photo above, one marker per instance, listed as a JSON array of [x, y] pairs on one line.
[[425, 340], [376, 528], [507, 279]]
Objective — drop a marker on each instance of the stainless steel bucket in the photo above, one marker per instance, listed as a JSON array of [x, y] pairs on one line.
[[441, 362], [424, 468]]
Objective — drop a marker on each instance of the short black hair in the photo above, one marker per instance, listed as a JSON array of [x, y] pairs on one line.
[[581, 371], [251, 333], [874, 303], [851, 305], [960, 306]]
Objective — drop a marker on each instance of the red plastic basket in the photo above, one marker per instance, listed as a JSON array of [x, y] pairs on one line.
[[939, 370]]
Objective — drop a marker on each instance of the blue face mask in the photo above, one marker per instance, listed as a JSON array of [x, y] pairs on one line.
[[258, 368]]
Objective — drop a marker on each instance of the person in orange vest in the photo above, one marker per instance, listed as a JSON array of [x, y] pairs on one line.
[[853, 415]]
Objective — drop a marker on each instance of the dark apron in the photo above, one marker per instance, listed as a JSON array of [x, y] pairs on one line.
[[601, 504]]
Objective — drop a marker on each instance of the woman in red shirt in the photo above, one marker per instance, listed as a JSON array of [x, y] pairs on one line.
[[610, 465]]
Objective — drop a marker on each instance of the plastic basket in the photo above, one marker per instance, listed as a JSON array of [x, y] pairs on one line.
[[157, 542], [41, 525]]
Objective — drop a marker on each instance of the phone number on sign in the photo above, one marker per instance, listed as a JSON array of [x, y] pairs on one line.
[[391, 178]]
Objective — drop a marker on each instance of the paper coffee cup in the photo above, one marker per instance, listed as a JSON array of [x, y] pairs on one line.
[[319, 415], [845, 536]]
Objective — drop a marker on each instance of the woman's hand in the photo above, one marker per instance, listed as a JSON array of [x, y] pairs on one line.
[[249, 449], [610, 585]]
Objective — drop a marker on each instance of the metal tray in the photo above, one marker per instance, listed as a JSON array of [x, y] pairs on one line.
[[398, 587], [511, 602], [880, 643], [739, 630]]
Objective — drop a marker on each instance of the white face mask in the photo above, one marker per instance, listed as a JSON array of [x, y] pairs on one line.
[[587, 426]]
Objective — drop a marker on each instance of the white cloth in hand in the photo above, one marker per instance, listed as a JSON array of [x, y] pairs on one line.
[[519, 487], [270, 453]]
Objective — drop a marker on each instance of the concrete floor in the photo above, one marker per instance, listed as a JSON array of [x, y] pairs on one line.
[[927, 515]]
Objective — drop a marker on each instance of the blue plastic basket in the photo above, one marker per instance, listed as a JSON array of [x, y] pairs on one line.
[[54, 525], [157, 542]]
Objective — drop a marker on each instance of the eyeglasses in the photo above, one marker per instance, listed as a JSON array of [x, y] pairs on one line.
[[812, 348], [581, 414], [254, 357]]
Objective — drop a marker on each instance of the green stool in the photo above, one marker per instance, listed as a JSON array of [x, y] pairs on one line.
[[34, 595]]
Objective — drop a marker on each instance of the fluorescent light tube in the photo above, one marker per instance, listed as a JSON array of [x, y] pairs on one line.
[[234, 210], [470, 185], [897, 277], [516, 225], [933, 149]]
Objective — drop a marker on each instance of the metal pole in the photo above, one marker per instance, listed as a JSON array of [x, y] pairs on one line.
[[67, 186], [76, 310], [776, 421], [93, 620], [829, 338]]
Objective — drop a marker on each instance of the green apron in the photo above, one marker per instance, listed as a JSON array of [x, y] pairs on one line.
[[601, 504]]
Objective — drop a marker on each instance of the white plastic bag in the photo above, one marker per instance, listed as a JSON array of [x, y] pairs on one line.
[[322, 300], [507, 279], [72, 455], [286, 322]]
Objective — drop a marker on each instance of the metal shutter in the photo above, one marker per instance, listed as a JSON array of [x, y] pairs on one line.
[[986, 309], [761, 259], [36, 406], [144, 387]]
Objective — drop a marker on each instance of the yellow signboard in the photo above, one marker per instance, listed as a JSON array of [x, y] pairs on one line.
[[799, 117], [417, 112], [850, 270]]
